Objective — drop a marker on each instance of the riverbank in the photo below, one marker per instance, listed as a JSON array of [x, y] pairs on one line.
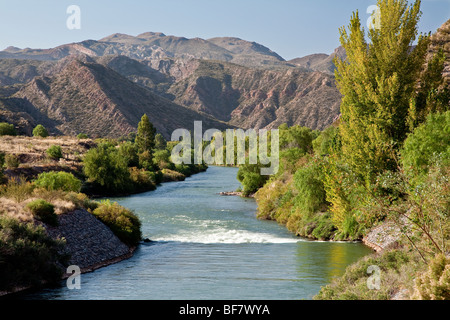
[[205, 246], [92, 239]]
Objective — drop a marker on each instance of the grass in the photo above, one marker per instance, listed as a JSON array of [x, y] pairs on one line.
[[33, 149], [397, 269]]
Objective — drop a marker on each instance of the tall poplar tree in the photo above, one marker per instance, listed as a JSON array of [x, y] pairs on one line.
[[388, 83], [380, 82]]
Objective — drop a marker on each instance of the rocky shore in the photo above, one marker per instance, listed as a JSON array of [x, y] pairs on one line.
[[89, 242]]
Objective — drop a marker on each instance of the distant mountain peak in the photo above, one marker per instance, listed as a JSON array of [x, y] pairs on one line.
[[151, 35], [12, 49]]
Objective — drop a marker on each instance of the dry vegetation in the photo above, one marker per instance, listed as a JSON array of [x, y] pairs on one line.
[[31, 152], [17, 190]]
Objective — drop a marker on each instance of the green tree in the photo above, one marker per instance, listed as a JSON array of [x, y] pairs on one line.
[[161, 159], [378, 81], [7, 129], [145, 138], [129, 152], [427, 143], [105, 167], [160, 142], [40, 131]]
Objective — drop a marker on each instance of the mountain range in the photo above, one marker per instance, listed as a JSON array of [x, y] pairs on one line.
[[102, 87]]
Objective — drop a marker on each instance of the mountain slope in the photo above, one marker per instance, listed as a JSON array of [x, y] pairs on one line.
[[320, 62], [251, 98], [441, 39], [90, 98]]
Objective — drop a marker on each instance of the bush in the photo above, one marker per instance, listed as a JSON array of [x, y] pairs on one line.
[[80, 200], [122, 222], [170, 175], [40, 131], [142, 179], [58, 181], [396, 267], [55, 152], [428, 141], [249, 175], [7, 129], [161, 159], [146, 160], [17, 189], [311, 191], [82, 136], [28, 255], [12, 161], [434, 284], [327, 141], [43, 211]]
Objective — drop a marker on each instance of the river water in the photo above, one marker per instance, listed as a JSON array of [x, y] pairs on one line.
[[209, 246]]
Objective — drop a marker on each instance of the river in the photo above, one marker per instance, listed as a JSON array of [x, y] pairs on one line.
[[209, 246]]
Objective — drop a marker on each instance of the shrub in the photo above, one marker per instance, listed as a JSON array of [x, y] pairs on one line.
[[11, 161], [17, 189], [122, 222], [311, 191], [7, 129], [396, 267], [161, 159], [249, 175], [142, 179], [434, 284], [170, 175], [82, 136], [327, 141], [58, 181], [43, 211], [80, 200], [146, 160], [55, 152], [28, 255], [40, 131]]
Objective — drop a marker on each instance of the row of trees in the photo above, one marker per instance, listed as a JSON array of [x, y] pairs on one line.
[[133, 165]]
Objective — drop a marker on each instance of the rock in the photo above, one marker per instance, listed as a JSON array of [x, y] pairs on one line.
[[90, 243], [384, 236]]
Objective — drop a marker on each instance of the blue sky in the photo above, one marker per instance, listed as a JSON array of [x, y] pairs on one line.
[[292, 28]]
